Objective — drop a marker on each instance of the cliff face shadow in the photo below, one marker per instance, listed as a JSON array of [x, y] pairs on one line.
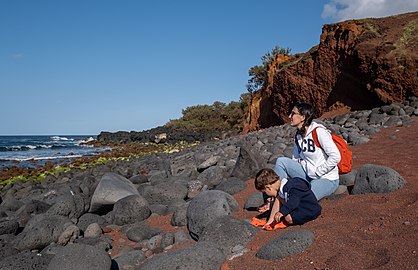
[[351, 88], [267, 116]]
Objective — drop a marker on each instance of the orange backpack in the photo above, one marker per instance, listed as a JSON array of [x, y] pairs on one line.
[[346, 162]]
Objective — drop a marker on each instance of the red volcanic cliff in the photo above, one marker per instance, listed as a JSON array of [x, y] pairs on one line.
[[358, 64]]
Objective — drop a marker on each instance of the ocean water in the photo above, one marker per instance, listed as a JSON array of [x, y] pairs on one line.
[[28, 151]]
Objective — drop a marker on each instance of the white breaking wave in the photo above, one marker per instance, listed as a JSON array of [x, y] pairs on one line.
[[28, 147], [89, 139], [41, 158], [58, 138]]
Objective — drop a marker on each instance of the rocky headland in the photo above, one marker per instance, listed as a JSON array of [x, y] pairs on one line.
[[161, 134], [358, 65]]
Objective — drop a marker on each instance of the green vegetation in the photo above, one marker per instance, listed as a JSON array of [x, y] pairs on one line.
[[365, 20], [372, 28], [218, 116], [291, 63], [258, 74], [409, 35]]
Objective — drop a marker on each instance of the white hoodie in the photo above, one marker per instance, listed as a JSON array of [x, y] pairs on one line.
[[318, 162]]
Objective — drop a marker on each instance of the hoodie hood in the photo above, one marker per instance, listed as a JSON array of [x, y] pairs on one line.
[[313, 126]]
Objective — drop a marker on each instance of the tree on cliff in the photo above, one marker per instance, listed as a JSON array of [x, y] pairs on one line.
[[258, 74]]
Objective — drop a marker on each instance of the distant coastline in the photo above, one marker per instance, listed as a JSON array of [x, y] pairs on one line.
[[35, 150]]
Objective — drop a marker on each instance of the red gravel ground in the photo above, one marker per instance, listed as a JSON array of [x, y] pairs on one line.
[[372, 231], [357, 231]]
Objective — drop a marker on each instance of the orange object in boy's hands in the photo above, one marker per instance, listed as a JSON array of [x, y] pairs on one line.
[[275, 226], [258, 222]]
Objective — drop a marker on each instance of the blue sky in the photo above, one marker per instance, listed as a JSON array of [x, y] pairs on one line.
[[81, 67]]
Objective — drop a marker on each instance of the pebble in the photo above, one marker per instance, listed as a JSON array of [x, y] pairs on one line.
[[148, 253]]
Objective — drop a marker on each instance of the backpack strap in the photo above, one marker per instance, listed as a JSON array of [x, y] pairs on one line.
[[315, 137], [297, 144]]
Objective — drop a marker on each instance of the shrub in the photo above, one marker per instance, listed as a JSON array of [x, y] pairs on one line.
[[258, 74], [218, 116]]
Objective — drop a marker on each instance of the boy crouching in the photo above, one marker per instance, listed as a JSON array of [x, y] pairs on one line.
[[293, 201]]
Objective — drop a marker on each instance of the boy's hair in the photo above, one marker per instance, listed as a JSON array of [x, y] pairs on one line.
[[265, 177]]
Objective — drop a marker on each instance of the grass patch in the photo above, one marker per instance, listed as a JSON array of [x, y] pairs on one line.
[[409, 35], [289, 63], [372, 28]]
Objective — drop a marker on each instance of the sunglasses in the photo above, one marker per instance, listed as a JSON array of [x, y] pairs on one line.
[[293, 113]]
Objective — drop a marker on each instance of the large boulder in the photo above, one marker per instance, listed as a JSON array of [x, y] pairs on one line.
[[194, 187], [111, 188], [211, 161], [9, 227], [10, 203], [89, 218], [141, 232], [200, 256], [348, 179], [248, 164], [130, 209], [254, 201], [213, 176], [228, 233], [32, 207], [377, 179], [165, 192], [184, 165], [208, 206], [129, 260], [26, 261], [69, 205], [101, 243], [40, 231], [69, 235], [232, 185], [6, 246], [287, 244], [80, 256], [179, 217]]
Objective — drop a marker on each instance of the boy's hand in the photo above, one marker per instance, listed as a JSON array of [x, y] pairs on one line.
[[263, 208], [278, 216]]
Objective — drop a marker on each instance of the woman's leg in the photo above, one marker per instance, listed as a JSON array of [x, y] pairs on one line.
[[323, 187], [289, 168]]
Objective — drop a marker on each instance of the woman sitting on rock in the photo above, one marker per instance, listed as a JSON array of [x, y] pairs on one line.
[[317, 165]]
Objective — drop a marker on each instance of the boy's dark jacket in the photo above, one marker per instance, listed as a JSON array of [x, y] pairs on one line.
[[298, 195]]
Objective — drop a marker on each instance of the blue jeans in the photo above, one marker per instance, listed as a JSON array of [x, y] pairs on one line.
[[289, 168]]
